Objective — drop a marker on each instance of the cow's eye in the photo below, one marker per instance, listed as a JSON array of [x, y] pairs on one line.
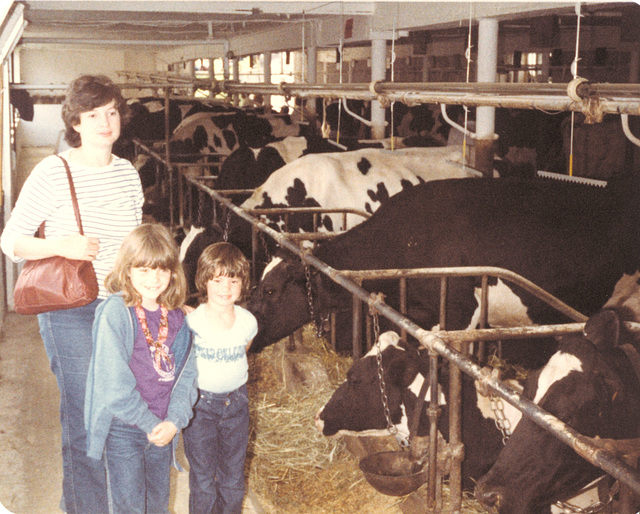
[[269, 292]]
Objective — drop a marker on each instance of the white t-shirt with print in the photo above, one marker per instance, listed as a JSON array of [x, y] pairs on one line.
[[220, 354]]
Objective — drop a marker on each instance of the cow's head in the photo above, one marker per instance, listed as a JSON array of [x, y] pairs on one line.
[[590, 385], [356, 406], [281, 300]]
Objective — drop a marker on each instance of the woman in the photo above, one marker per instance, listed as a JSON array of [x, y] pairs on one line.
[[110, 200]]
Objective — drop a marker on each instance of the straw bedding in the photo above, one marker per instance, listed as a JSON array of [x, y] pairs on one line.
[[291, 467]]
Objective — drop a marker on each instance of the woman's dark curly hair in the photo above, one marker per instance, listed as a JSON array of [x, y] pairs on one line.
[[86, 93]]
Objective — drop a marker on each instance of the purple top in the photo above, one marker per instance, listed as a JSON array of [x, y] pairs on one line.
[[155, 376]]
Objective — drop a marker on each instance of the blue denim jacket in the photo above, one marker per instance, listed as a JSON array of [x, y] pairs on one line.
[[111, 386]]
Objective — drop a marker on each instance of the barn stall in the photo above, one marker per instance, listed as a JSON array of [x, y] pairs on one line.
[[400, 50]]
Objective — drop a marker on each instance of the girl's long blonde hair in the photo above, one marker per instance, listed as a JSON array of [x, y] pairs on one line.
[[148, 246]]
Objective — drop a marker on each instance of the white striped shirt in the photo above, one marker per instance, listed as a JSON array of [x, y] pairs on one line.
[[110, 199]]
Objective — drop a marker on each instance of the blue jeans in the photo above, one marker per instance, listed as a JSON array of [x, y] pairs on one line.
[[137, 471], [68, 342], [215, 444]]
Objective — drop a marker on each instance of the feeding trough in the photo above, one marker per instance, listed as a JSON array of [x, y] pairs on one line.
[[394, 473], [398, 473]]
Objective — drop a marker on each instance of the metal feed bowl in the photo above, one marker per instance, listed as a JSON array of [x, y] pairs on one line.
[[393, 473]]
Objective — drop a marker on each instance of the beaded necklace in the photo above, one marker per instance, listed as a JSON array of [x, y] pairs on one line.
[[159, 351]]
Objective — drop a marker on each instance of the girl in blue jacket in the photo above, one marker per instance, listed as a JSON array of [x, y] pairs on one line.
[[141, 386]]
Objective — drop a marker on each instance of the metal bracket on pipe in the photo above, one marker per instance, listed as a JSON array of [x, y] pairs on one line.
[[580, 92], [354, 115], [627, 131], [460, 128]]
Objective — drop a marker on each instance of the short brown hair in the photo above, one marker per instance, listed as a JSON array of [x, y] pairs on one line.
[[86, 93], [150, 245], [222, 259]]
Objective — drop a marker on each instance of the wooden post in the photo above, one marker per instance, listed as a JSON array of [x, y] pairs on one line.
[[484, 156]]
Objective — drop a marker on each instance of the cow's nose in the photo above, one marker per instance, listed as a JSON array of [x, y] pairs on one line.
[[489, 498], [319, 422]]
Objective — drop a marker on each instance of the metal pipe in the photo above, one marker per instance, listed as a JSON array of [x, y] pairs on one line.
[[434, 412], [469, 271], [459, 128], [612, 98]]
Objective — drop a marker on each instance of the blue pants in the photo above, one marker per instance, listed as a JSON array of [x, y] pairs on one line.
[[137, 471], [67, 340], [215, 444]]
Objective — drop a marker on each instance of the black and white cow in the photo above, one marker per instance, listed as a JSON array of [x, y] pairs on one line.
[[574, 241], [222, 133], [356, 408], [592, 385], [361, 179], [248, 168]]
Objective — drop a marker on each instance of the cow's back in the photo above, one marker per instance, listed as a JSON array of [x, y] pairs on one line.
[[361, 179], [569, 239]]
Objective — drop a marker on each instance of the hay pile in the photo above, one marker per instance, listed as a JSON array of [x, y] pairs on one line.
[[291, 467]]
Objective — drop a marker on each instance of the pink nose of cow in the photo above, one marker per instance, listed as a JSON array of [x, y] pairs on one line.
[[319, 422]]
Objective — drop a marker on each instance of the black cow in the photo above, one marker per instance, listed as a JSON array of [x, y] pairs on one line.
[[572, 240], [590, 384]]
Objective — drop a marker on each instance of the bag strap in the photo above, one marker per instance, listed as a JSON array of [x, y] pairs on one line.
[[74, 198]]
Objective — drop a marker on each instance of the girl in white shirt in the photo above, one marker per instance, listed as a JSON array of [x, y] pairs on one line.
[[216, 441]]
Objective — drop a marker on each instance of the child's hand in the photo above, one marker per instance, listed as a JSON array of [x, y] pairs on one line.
[[163, 433]]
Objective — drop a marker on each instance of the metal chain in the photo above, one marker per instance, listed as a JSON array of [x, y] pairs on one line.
[[265, 246], [307, 276], [225, 233], [502, 422], [393, 430]]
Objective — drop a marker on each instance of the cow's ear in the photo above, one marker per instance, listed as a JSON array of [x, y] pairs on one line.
[[603, 329], [403, 371]]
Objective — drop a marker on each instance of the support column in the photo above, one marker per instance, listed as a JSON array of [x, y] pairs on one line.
[[378, 72], [485, 116], [546, 66], [312, 76], [267, 76], [236, 78], [225, 61]]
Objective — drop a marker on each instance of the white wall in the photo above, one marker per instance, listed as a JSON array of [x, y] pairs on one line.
[[45, 128], [60, 66]]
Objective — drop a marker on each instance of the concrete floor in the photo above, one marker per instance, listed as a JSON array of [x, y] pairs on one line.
[[30, 458]]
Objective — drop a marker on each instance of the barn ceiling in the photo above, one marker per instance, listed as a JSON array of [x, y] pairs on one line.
[[170, 22], [150, 22]]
